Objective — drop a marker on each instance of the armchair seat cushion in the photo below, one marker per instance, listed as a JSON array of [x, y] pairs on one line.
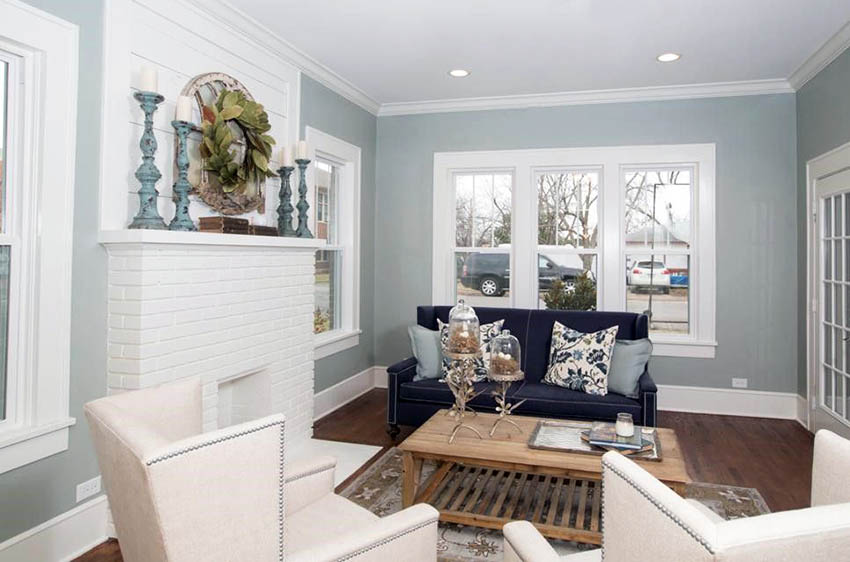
[[594, 555], [323, 520], [434, 391], [547, 399]]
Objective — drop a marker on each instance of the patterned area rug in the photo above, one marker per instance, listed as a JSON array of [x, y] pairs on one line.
[[378, 489]]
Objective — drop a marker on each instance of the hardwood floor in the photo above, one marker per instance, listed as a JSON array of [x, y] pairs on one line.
[[774, 456]]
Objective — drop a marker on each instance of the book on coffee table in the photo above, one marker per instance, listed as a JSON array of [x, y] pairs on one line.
[[604, 434]]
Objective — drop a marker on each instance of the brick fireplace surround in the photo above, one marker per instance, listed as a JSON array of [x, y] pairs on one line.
[[236, 310]]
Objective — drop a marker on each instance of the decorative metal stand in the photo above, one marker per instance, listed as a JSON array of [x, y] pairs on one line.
[[303, 230], [284, 207], [502, 405], [182, 220], [148, 174], [460, 383]]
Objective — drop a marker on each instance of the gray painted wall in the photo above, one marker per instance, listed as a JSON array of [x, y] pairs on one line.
[[756, 216], [823, 123], [329, 112], [39, 491]]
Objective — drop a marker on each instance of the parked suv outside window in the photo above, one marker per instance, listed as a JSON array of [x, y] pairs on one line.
[[491, 274]]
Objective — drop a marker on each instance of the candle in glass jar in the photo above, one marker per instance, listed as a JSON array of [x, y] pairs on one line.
[[149, 81], [301, 152], [183, 111], [625, 426]]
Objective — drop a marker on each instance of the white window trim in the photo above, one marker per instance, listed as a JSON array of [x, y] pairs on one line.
[[347, 157], [612, 160], [41, 181]]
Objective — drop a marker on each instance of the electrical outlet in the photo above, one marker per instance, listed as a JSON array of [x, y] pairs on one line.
[[739, 383], [88, 488]]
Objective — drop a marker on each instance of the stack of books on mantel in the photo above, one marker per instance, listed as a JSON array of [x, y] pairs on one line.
[[226, 225]]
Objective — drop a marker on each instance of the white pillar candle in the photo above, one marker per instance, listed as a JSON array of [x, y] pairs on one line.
[[286, 157], [301, 150], [183, 111], [149, 81]]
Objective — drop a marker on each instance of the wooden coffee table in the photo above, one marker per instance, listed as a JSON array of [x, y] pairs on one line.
[[492, 481]]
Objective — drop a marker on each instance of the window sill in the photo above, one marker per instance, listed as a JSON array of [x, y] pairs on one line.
[[22, 446], [671, 347], [333, 342]]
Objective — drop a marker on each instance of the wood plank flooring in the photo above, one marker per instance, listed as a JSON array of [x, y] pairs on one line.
[[774, 456]]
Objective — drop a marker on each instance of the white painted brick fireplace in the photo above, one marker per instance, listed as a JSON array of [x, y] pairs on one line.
[[236, 310]]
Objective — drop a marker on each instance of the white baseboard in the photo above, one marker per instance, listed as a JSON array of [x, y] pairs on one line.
[[62, 538], [803, 411], [340, 394], [728, 401], [380, 376]]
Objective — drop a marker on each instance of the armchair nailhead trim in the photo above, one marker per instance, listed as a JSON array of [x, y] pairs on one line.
[[387, 540], [309, 473], [281, 478], [662, 508]]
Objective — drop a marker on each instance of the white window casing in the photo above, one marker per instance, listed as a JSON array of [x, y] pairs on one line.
[[611, 162], [42, 52], [346, 157]]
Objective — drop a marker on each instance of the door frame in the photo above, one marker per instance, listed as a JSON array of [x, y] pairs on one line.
[[830, 163]]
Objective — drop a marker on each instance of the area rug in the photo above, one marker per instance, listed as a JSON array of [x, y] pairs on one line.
[[378, 489]]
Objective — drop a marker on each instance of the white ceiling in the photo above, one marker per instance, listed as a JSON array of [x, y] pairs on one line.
[[401, 50]]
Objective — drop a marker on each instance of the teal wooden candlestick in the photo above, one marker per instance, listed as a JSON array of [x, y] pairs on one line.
[[148, 174], [284, 207], [303, 230], [182, 220]]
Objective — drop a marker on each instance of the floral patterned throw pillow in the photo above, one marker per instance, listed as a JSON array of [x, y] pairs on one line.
[[482, 364], [581, 361]]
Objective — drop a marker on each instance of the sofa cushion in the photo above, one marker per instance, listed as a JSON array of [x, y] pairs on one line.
[[426, 348], [545, 399], [431, 390], [580, 361]]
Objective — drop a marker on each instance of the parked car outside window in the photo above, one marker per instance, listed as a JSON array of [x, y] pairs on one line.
[[490, 273], [649, 276]]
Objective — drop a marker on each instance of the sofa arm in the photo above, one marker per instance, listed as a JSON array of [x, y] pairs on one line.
[[401, 372], [648, 397], [524, 543], [409, 535], [236, 471], [307, 481]]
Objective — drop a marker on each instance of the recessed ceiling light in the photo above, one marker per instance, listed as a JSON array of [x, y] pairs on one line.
[[668, 57], [459, 73]]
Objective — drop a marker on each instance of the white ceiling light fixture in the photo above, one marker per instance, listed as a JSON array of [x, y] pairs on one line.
[[458, 73], [668, 57]]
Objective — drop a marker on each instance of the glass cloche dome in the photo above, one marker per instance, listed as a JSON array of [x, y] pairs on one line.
[[464, 333], [505, 357]]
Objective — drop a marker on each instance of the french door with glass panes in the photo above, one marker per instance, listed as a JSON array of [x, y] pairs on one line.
[[831, 387]]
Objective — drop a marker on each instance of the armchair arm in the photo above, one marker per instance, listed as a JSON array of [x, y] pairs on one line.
[[648, 397], [523, 543], [401, 372], [409, 535], [815, 533], [236, 471], [830, 467], [308, 480], [643, 515]]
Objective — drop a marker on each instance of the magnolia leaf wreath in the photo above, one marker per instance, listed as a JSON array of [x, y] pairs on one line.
[[232, 107]]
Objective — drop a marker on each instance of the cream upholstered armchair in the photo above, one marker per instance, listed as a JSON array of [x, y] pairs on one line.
[[643, 519], [179, 495]]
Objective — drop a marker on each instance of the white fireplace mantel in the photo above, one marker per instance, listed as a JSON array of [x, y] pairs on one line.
[[108, 237]]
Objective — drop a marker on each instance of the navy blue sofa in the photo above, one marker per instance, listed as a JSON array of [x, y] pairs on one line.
[[412, 402]]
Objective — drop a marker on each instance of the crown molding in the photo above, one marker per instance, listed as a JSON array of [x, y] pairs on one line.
[[830, 51], [230, 16], [654, 93]]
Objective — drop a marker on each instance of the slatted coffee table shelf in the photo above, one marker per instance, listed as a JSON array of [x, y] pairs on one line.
[[560, 507], [489, 482]]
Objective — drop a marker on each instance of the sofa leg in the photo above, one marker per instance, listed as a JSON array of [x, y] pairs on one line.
[[393, 430]]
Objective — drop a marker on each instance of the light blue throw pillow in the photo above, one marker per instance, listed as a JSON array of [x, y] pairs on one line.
[[428, 352], [627, 365]]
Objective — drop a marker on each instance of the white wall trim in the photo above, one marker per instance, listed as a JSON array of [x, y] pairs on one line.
[[821, 58], [243, 24], [62, 538], [343, 392], [586, 97], [729, 402], [803, 411]]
